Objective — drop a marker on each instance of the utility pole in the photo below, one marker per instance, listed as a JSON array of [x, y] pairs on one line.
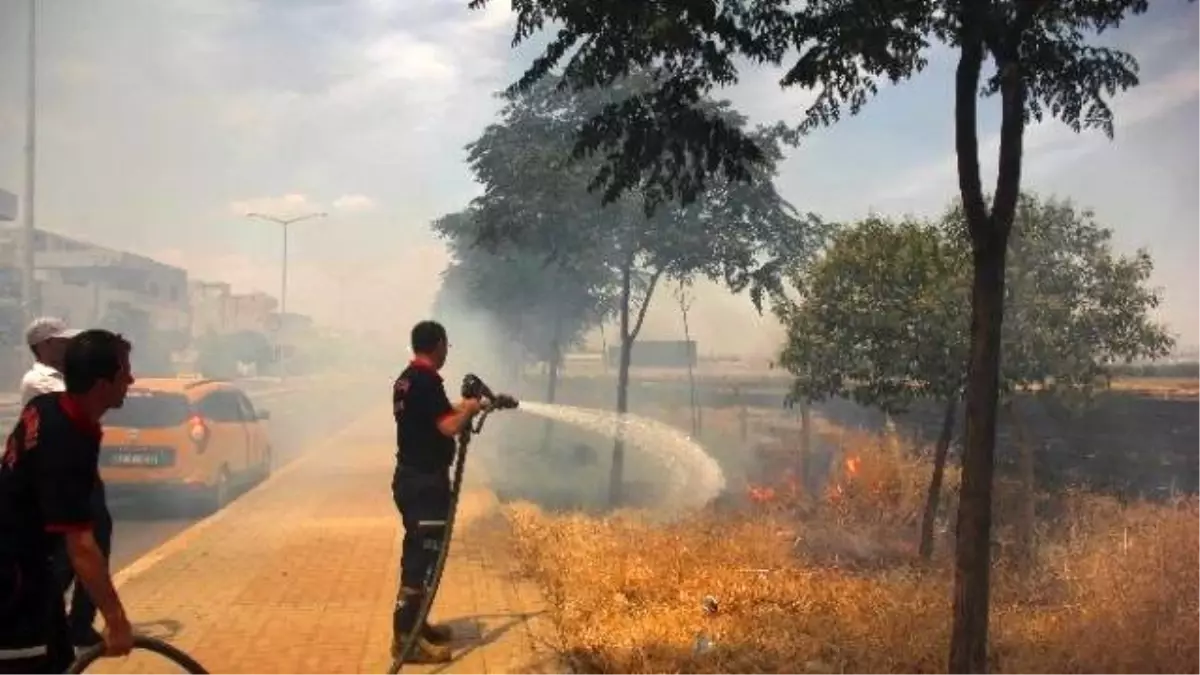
[[284, 223], [29, 299]]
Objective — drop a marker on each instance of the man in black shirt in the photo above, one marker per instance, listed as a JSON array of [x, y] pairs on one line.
[[426, 426], [48, 475]]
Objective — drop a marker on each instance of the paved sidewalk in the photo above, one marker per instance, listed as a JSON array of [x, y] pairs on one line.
[[299, 576]]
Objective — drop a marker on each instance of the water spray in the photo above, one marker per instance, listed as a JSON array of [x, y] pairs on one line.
[[472, 387]]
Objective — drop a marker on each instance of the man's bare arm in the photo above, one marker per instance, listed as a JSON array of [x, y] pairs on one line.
[[453, 423], [91, 568]]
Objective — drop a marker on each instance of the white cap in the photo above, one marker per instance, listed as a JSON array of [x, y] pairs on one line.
[[48, 328]]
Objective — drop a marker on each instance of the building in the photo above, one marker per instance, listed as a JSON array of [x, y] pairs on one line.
[[90, 285], [216, 309], [94, 286]]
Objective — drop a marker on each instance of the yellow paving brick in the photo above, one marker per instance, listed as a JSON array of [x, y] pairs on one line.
[[299, 576]]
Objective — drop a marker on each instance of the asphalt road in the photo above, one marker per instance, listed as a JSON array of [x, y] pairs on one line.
[[299, 421]]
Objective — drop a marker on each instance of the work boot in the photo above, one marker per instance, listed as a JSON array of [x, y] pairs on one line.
[[422, 652], [438, 634]]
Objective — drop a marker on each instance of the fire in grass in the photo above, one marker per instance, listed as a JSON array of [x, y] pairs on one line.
[[789, 489]]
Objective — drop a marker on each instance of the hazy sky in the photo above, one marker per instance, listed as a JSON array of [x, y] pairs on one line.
[[161, 122]]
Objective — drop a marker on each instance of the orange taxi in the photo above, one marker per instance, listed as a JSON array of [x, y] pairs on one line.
[[198, 439]]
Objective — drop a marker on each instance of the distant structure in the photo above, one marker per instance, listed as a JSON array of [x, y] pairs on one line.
[[88, 285], [657, 354], [8, 206], [216, 309]]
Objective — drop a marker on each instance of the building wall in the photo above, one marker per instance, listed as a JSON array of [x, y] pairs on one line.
[[84, 283], [216, 309]]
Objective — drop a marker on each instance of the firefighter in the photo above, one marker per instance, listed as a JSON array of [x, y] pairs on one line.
[[426, 426], [48, 478]]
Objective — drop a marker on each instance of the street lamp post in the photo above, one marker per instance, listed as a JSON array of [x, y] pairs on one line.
[[29, 296], [284, 223]]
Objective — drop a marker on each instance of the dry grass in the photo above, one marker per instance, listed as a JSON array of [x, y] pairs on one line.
[[1162, 387], [829, 583]]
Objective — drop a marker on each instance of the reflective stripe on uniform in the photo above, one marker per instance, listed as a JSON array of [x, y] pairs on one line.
[[430, 523], [22, 653]]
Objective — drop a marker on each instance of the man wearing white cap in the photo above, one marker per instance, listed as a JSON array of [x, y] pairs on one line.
[[47, 339]]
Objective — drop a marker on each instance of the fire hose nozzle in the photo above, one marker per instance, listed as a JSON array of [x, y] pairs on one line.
[[474, 387], [504, 402]]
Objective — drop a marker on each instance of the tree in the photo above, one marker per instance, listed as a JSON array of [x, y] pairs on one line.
[[684, 297], [659, 144], [1072, 307], [882, 322], [538, 200]]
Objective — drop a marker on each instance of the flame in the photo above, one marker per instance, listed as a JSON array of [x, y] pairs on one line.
[[761, 494], [788, 487], [852, 465]]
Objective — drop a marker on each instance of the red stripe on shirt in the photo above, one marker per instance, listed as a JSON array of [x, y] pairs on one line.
[[72, 407], [423, 363], [64, 528]]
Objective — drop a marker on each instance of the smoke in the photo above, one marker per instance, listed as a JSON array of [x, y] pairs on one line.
[[477, 344]]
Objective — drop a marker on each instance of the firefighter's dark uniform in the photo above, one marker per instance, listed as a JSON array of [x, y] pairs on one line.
[[48, 476], [420, 485]]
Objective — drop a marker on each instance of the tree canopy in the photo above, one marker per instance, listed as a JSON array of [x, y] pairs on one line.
[[538, 198], [660, 143], [540, 305], [883, 319]]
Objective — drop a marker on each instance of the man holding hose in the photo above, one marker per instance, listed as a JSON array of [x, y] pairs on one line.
[[426, 426]]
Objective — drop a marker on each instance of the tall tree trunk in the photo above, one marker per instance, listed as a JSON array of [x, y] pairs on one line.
[[629, 333], [603, 349], [989, 239], [516, 363], [1027, 473], [972, 571], [556, 356], [743, 414], [617, 470], [691, 371], [806, 464], [935, 482]]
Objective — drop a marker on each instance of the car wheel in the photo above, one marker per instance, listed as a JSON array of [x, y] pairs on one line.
[[217, 496], [264, 470]]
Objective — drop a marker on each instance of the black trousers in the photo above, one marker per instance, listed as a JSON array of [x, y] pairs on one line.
[[423, 500], [33, 621], [83, 611]]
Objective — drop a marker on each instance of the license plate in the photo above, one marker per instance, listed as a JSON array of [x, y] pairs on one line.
[[123, 458]]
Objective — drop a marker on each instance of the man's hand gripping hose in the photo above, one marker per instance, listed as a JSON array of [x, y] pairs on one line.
[[90, 655], [475, 388]]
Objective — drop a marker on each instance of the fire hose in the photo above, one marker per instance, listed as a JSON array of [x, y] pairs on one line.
[[472, 387], [189, 665]]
